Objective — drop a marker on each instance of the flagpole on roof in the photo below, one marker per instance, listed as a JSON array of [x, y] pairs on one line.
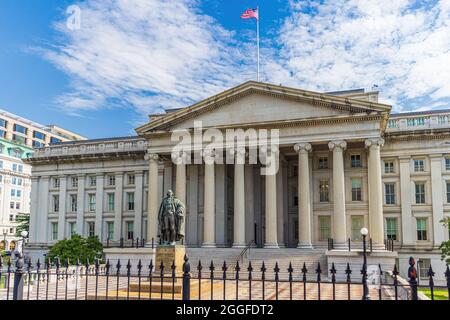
[[257, 39]]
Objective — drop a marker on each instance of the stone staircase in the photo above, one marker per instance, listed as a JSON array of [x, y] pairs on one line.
[[285, 256]]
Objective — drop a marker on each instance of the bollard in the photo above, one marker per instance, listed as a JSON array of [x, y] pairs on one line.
[[18, 278], [186, 279]]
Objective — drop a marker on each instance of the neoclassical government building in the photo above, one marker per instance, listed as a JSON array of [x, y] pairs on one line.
[[344, 162]]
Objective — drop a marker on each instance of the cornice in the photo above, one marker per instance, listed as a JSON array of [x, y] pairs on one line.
[[248, 88], [279, 124]]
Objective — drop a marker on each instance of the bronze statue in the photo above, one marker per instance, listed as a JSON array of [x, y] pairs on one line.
[[171, 219]]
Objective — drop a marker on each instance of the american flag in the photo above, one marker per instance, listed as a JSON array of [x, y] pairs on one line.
[[250, 13]]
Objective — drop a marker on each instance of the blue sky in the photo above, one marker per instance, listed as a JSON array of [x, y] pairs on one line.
[[130, 58]]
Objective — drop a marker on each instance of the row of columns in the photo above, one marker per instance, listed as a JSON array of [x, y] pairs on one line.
[[304, 209]]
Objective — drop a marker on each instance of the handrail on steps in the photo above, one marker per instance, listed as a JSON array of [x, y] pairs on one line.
[[247, 248]]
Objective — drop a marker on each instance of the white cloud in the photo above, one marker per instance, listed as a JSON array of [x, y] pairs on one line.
[[148, 54], [403, 46], [153, 54]]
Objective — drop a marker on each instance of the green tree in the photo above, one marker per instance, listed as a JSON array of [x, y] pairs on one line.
[[77, 248], [445, 246], [23, 220]]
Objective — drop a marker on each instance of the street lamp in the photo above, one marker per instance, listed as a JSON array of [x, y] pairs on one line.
[[365, 296]]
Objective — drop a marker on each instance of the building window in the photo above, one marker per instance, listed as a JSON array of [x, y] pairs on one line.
[[15, 152], [420, 192], [54, 231], [3, 123], [130, 230], [11, 218], [110, 230], [391, 228], [73, 203], [111, 180], [131, 179], [37, 144], [447, 164], [20, 129], [74, 182], [356, 189], [448, 192], [324, 228], [20, 168], [323, 162], [392, 124], [111, 203], [357, 224], [130, 201], [419, 165], [2, 135], [92, 181], [55, 203], [422, 229], [91, 229], [411, 122], [91, 202], [17, 205], [72, 229], [55, 140], [423, 265], [355, 160], [56, 183], [388, 167], [324, 190], [38, 135], [389, 193]]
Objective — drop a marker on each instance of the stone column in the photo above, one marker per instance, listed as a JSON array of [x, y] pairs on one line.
[[99, 205], [209, 234], [80, 205], [118, 206], [34, 210], [339, 221], [62, 207], [180, 182], [138, 204], [304, 206], [167, 176], [239, 200], [153, 194], [271, 240], [192, 236], [44, 185], [376, 230], [405, 190], [437, 199]]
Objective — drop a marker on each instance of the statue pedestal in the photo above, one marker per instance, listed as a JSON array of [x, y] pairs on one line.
[[169, 254]]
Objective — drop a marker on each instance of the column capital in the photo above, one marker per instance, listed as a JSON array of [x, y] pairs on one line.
[[302, 147], [374, 142], [180, 157], [339, 145], [152, 157]]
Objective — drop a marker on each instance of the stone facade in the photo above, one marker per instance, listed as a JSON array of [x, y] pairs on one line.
[[344, 163]]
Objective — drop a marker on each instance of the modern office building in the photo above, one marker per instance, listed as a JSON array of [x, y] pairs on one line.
[[18, 137]]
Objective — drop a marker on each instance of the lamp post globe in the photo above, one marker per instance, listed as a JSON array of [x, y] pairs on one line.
[[24, 234], [364, 233]]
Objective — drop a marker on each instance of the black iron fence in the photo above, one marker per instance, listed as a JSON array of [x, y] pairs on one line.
[[54, 280]]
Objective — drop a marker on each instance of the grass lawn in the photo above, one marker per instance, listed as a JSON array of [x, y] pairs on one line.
[[439, 294]]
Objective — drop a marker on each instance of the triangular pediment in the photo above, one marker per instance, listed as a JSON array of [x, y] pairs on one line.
[[258, 103]]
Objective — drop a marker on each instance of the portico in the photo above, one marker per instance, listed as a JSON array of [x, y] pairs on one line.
[[310, 127]]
